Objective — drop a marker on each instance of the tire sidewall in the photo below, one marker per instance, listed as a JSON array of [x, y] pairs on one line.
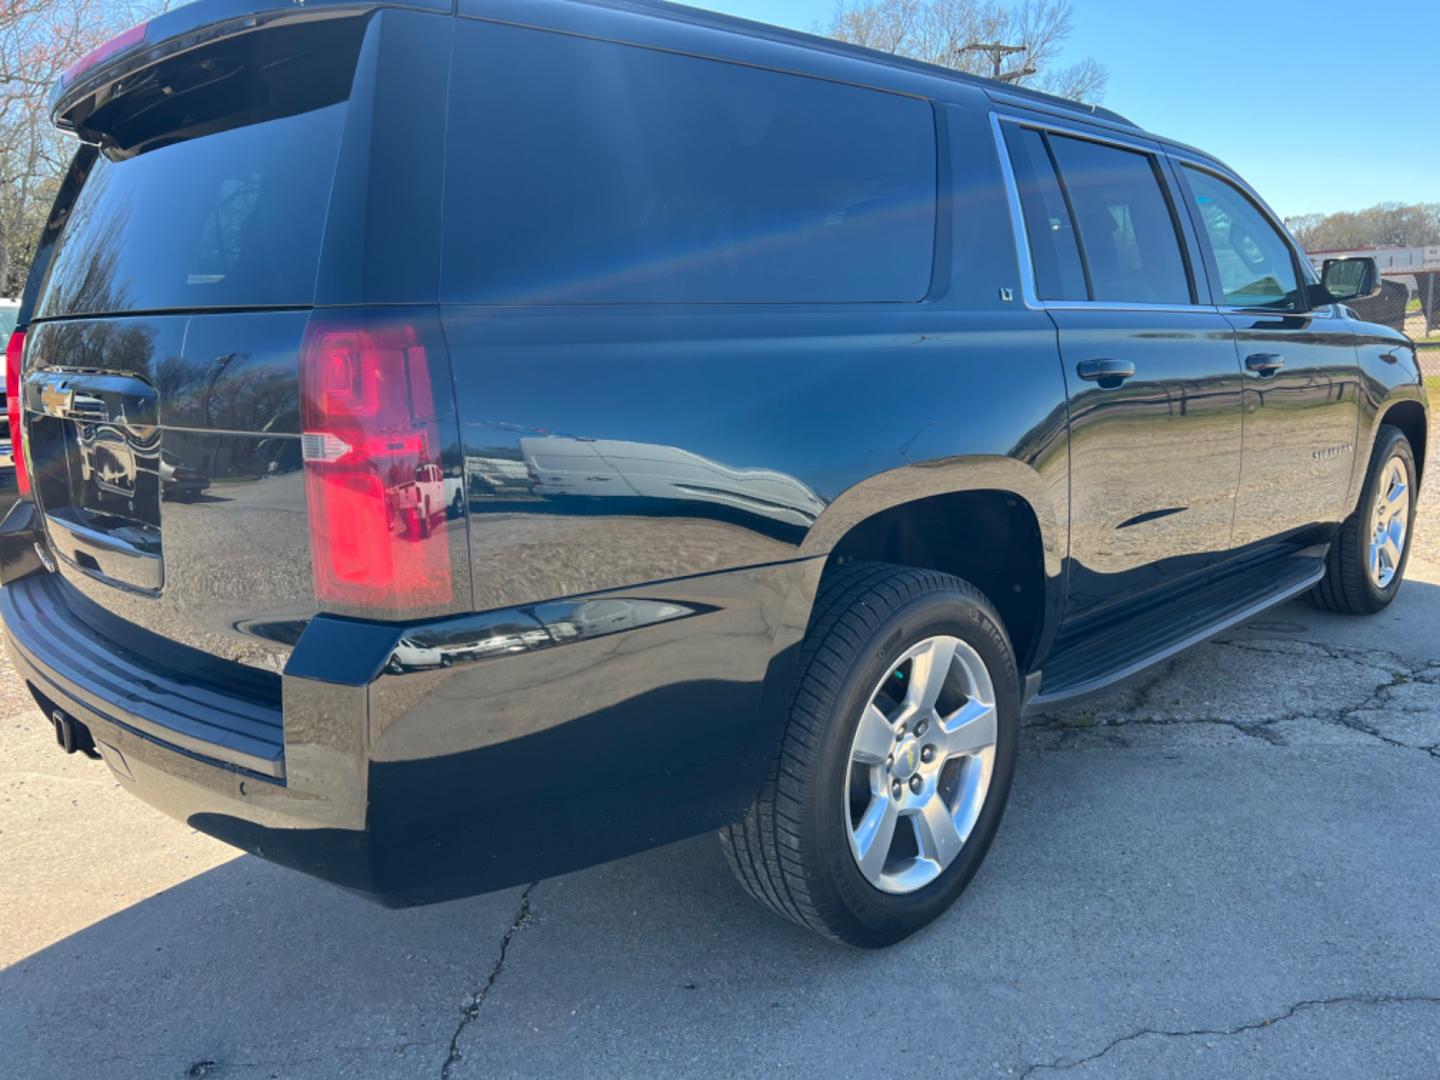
[[889, 917]]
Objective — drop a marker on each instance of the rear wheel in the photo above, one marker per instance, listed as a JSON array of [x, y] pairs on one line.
[[895, 763], [1366, 564]]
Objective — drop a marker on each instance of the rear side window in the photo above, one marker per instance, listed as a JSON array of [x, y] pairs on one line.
[[232, 219], [1053, 248], [584, 171], [1127, 230], [1257, 268]]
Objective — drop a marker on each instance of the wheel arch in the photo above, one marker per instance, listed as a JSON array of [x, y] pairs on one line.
[[1409, 416], [989, 521]]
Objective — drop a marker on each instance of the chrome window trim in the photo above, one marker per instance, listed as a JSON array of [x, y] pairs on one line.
[[1022, 237], [1326, 312], [1017, 218], [1117, 305], [1139, 145]]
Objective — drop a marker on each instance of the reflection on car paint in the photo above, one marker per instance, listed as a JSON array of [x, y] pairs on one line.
[[541, 626], [605, 468]]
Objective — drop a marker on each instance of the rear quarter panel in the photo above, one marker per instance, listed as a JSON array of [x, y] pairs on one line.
[[812, 421]]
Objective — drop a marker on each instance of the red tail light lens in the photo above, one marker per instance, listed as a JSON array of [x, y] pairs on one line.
[[114, 47], [373, 477], [14, 351]]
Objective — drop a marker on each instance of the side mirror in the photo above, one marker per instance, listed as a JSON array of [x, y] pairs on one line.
[[1350, 279]]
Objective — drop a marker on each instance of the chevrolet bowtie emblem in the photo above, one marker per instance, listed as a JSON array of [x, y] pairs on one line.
[[56, 399]]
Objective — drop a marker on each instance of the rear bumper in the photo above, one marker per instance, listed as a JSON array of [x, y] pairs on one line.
[[553, 737]]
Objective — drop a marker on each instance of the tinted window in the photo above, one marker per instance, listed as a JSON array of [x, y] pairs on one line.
[[1058, 273], [1127, 232], [231, 219], [1255, 262], [587, 171]]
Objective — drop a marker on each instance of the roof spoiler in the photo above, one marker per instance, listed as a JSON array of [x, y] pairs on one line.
[[111, 70]]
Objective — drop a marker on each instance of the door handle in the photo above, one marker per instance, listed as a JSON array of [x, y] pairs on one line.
[[1108, 373], [1265, 363]]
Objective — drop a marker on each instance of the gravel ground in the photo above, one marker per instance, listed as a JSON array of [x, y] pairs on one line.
[[1228, 867]]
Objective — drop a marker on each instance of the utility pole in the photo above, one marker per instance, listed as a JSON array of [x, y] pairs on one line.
[[997, 53]]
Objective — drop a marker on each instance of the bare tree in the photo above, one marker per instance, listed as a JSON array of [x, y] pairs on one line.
[[38, 40], [938, 31], [1383, 225]]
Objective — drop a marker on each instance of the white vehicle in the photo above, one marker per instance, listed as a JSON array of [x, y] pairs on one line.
[[418, 502], [410, 655], [454, 496]]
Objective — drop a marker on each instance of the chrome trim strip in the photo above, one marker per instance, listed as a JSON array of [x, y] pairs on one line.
[[1022, 238], [1143, 145], [1327, 312], [1115, 305], [1017, 217]]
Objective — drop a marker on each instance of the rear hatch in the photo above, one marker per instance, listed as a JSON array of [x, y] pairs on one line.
[[162, 364]]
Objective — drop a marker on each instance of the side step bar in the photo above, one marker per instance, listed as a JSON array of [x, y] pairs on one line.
[[1094, 661]]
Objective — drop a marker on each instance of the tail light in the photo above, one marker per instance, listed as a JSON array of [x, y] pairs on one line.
[[114, 47], [14, 351], [372, 455]]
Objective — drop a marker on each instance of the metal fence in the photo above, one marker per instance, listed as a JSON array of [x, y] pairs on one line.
[[1409, 299]]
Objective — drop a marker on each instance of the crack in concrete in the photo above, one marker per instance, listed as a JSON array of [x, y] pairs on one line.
[[1141, 697], [1061, 1065], [477, 997]]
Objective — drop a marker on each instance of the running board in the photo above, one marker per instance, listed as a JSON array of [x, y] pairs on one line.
[[1095, 661]]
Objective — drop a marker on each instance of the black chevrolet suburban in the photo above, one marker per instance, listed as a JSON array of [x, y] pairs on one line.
[[468, 441]]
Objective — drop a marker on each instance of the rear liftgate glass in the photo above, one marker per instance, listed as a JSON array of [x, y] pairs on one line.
[[210, 193]]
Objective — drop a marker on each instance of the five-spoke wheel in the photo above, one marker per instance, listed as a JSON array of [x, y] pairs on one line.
[[1365, 566], [1391, 521], [920, 764], [896, 759]]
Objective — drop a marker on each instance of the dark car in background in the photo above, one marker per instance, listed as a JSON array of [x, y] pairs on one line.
[[704, 427]]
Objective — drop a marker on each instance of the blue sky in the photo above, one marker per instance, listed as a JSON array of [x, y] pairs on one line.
[[1318, 104]]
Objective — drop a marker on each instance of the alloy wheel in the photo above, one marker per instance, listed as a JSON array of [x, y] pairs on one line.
[[920, 764], [1390, 522]]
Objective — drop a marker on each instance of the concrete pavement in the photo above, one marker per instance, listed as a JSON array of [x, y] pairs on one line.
[[1228, 867]]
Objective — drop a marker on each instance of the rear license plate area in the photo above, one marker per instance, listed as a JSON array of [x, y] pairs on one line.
[[95, 445]]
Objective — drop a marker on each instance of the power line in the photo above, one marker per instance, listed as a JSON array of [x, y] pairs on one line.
[[997, 51]]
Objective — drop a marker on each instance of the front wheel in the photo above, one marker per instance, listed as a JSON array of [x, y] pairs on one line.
[[895, 762], [1366, 563]]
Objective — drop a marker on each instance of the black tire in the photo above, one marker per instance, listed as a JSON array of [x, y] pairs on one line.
[[791, 851], [1347, 587]]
